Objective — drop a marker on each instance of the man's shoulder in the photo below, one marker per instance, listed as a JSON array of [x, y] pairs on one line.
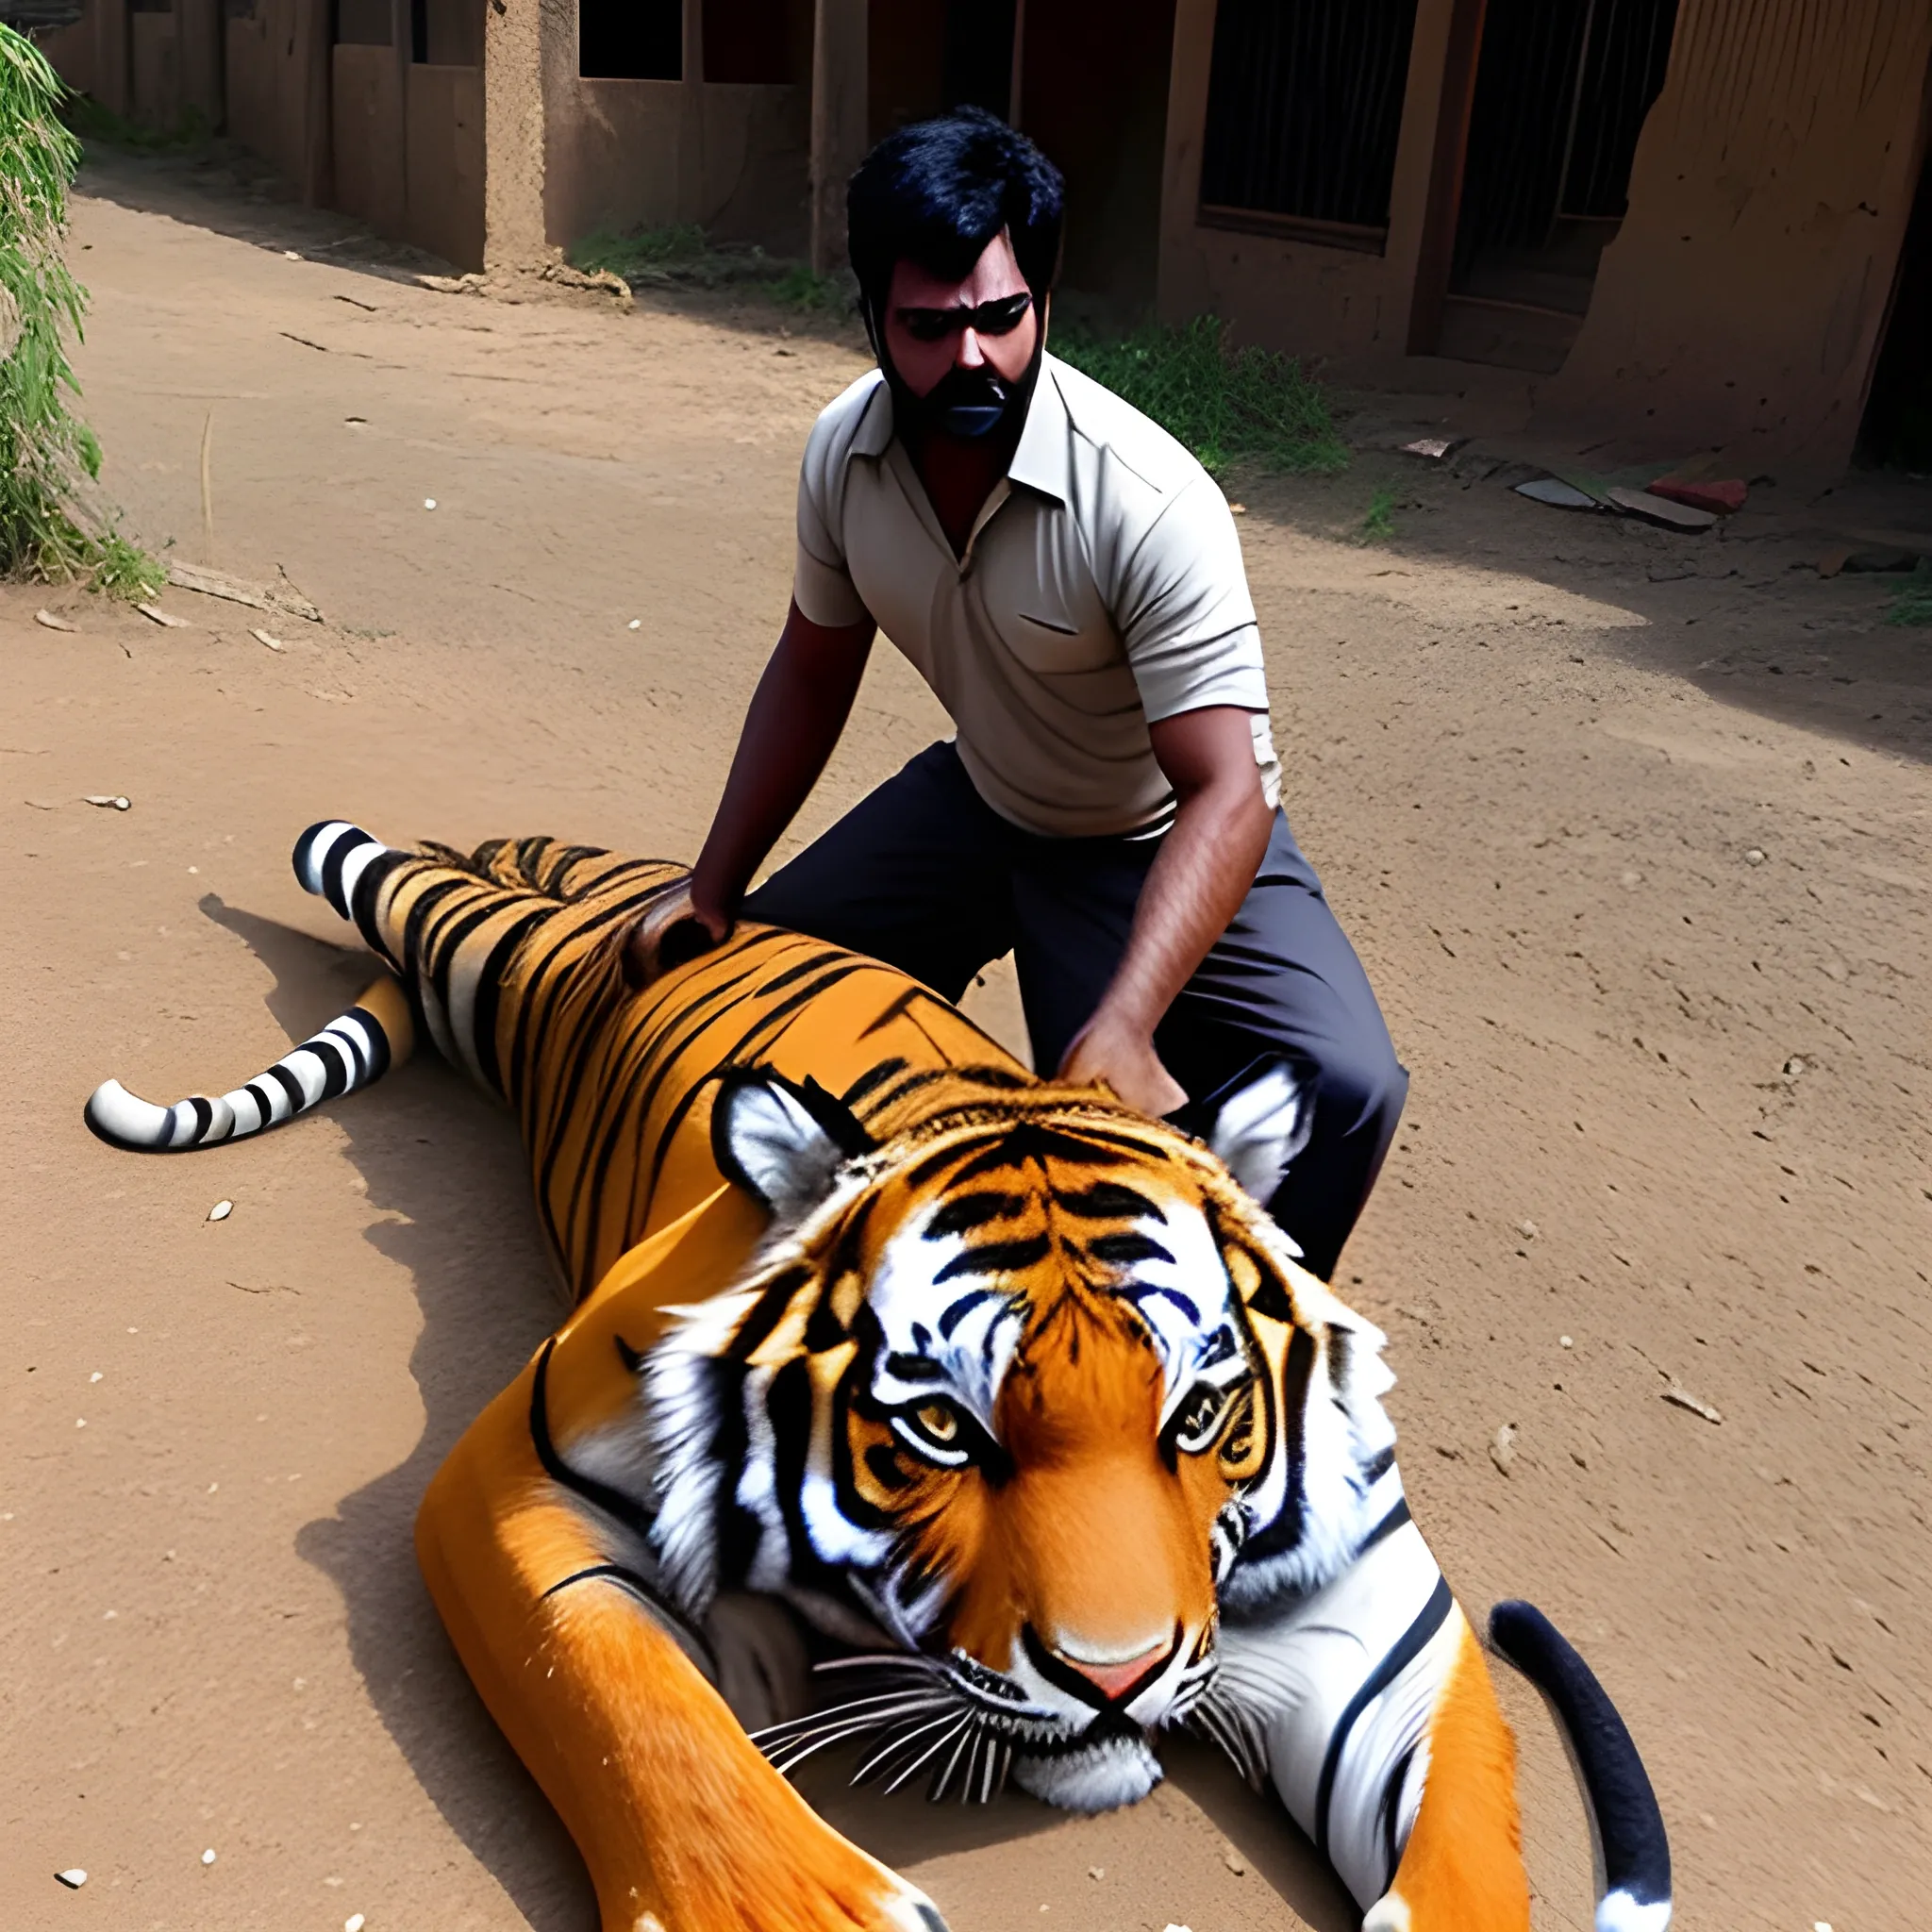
[[846, 421], [1111, 423]]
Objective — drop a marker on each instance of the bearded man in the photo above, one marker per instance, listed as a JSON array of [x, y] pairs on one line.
[[1069, 581]]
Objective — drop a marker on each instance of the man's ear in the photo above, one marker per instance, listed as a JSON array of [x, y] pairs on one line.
[[1256, 1123], [782, 1141]]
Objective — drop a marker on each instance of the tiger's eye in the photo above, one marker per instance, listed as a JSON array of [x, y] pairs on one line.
[[939, 1422]]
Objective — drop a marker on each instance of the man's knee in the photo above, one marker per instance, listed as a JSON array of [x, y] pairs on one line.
[[1360, 1087]]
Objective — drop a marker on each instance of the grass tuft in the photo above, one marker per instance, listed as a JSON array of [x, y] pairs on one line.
[[638, 252], [48, 457], [1224, 404], [1913, 605], [1378, 523]]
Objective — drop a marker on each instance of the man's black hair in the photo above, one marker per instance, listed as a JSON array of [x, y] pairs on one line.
[[937, 191]]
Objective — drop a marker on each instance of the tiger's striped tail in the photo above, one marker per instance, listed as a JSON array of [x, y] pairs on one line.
[[352, 1051], [1634, 1850]]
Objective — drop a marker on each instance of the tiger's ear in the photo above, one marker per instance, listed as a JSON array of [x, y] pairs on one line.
[[1256, 1123], [782, 1141]]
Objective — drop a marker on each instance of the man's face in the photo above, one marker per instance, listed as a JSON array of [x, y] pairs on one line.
[[927, 330]]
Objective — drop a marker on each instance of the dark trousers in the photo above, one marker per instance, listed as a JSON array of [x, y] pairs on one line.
[[926, 876]]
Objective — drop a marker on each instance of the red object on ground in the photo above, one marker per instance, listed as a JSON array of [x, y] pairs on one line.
[[1721, 499]]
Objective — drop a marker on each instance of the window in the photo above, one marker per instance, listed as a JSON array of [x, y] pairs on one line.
[[1303, 108], [630, 40]]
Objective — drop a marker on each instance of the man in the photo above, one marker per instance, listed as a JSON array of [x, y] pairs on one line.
[[1068, 580]]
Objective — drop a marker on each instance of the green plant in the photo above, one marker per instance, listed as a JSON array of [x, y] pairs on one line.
[[1378, 523], [92, 121], [801, 287], [1223, 403], [125, 570], [640, 250], [1913, 605], [48, 457]]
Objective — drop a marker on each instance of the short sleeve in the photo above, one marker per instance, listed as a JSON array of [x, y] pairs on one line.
[[1184, 612], [821, 585]]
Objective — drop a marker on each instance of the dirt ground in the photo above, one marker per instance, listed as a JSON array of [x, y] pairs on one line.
[[1631, 829]]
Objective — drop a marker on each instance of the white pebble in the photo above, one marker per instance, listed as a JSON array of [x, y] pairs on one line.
[[80, 1422], [95, 1376], [1503, 1447], [289, 255], [1793, 1067], [1754, 857], [221, 1211], [1527, 1229], [208, 1858], [636, 623], [112, 799], [354, 1922], [1566, 1341], [73, 1878], [1821, 1925], [430, 503]]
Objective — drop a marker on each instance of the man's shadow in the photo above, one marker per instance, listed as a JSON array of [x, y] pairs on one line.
[[447, 1168]]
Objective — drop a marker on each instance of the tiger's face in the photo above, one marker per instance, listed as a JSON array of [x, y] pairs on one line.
[[1037, 1391]]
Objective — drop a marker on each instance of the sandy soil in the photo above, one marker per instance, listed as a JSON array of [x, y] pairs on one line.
[[1631, 829]]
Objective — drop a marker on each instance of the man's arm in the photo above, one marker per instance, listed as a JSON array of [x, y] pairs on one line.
[[801, 706], [1195, 885]]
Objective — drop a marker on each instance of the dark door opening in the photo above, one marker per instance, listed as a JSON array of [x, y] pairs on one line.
[[630, 40], [1897, 430], [1561, 91]]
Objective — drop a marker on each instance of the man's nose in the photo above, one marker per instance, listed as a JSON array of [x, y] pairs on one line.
[[970, 354]]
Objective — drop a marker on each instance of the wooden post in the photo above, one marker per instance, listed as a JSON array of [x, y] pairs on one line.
[[1018, 76], [314, 43], [839, 83], [513, 130], [1444, 206]]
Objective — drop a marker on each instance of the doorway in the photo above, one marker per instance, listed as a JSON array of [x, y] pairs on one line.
[[1897, 429], [1563, 88]]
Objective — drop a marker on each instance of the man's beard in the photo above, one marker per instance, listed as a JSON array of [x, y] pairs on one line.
[[967, 404]]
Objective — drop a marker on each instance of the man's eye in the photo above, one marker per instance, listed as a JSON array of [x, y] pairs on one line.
[[934, 1431]]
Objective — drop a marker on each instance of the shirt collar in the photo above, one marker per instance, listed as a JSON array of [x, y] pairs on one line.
[[1040, 458]]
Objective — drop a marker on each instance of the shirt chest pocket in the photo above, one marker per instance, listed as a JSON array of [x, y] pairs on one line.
[[1046, 610]]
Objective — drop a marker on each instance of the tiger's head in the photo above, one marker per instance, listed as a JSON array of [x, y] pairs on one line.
[[1035, 1388]]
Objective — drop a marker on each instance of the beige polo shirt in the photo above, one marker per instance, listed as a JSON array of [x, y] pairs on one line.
[[1102, 586]]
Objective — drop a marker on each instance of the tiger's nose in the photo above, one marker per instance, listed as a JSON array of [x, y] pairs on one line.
[[1114, 1674]]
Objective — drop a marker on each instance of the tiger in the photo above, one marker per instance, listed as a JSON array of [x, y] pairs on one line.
[[892, 1368]]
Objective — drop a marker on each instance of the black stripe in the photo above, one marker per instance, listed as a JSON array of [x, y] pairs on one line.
[[1390, 1812], [629, 1580], [258, 1094], [337, 1067], [346, 842], [612, 1502], [1110, 1201], [996, 1257], [964, 1212], [376, 1041], [1285, 1532], [204, 1116], [289, 1084], [1387, 1527], [1127, 1247], [1428, 1621]]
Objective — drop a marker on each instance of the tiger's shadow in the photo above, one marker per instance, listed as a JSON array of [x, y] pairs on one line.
[[446, 1168]]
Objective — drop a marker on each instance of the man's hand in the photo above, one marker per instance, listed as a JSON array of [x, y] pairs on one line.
[[1111, 1052]]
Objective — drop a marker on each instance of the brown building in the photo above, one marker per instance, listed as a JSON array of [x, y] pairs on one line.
[[1689, 221]]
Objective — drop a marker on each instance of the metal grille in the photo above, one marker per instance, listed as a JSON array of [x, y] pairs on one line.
[[1303, 107]]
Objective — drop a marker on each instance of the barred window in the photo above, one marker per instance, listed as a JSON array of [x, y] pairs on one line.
[[1304, 110]]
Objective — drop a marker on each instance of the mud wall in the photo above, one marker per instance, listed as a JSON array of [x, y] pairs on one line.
[[625, 153], [368, 128], [278, 66], [1741, 305]]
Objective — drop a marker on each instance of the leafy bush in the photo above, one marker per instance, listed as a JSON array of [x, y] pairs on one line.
[[48, 457], [1224, 404]]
